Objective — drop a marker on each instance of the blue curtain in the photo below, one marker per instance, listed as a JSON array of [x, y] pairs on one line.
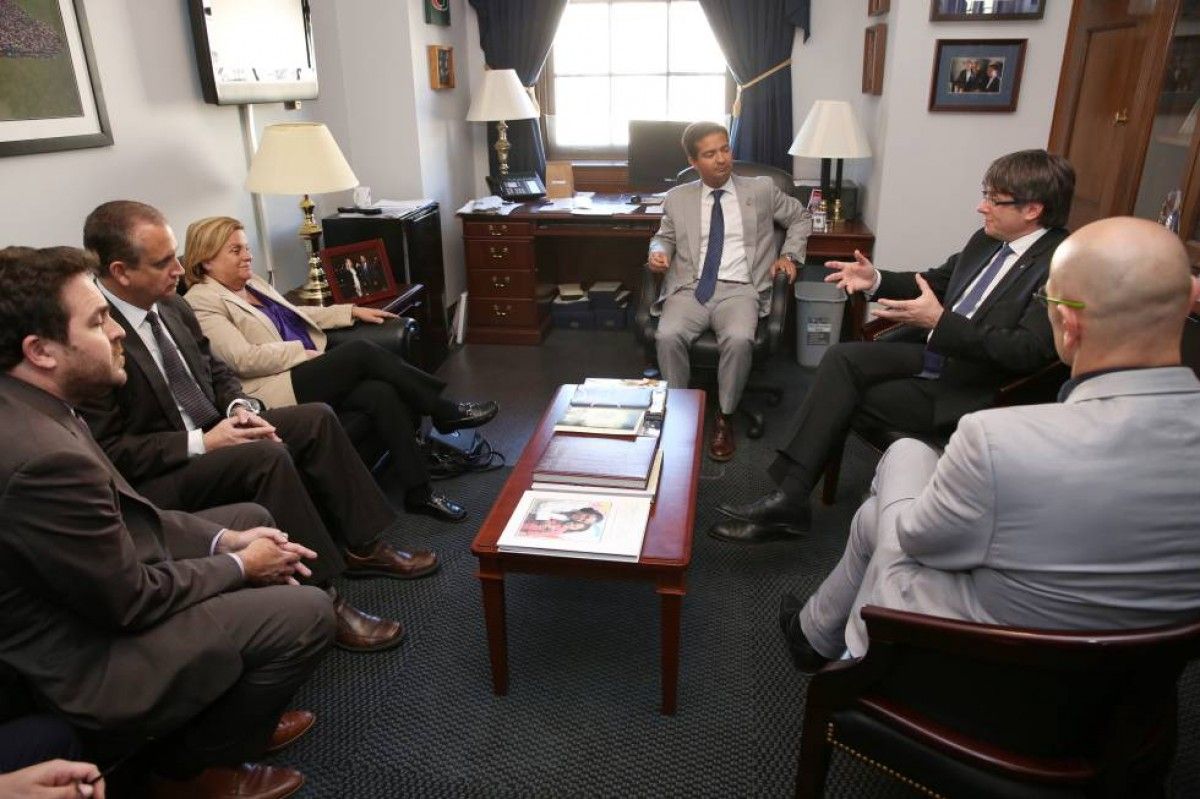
[[517, 34], [755, 35]]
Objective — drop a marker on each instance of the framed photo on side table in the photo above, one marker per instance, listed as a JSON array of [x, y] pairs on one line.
[[441, 66], [359, 273], [50, 96], [967, 11], [976, 75]]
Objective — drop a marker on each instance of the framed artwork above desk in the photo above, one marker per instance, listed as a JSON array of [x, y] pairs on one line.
[[509, 256]]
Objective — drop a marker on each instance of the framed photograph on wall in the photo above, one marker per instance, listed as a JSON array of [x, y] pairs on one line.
[[976, 74], [359, 273], [50, 97], [437, 12], [877, 7], [979, 11], [874, 50], [441, 66]]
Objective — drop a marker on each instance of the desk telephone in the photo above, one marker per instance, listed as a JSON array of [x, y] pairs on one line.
[[517, 186]]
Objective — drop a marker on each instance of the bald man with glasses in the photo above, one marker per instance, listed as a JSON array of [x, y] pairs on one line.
[[968, 326], [1076, 515]]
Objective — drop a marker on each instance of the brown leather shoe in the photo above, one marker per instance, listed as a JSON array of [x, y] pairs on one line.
[[721, 446], [247, 781], [362, 632], [385, 561], [291, 726]]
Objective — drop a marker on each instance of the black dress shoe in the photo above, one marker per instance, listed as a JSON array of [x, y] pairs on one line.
[[806, 659], [776, 508], [438, 506], [789, 608], [466, 415], [736, 531]]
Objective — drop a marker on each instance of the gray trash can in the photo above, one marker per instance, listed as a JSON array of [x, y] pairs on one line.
[[819, 308]]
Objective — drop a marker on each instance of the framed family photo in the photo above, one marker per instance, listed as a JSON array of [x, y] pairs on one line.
[[359, 273], [50, 96], [985, 10], [977, 75], [441, 66]]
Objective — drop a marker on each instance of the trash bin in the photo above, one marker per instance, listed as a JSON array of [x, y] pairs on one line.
[[819, 308]]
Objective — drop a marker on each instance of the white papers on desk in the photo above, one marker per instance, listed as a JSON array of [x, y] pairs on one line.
[[560, 205], [488, 205], [605, 210], [650, 210]]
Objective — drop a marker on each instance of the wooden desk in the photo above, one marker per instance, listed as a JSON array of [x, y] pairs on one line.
[[666, 550], [508, 256]]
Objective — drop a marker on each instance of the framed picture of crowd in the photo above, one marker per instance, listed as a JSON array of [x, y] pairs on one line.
[[359, 273], [977, 74], [985, 10]]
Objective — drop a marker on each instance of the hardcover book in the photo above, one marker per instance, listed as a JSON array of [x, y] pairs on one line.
[[649, 491], [611, 397], [577, 525], [601, 421], [588, 461]]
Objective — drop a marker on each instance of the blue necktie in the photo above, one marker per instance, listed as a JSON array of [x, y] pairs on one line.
[[712, 257], [932, 363]]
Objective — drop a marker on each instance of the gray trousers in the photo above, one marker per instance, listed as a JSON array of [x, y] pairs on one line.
[[732, 314], [874, 570]]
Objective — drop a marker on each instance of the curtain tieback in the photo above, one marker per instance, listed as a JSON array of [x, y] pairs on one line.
[[737, 100]]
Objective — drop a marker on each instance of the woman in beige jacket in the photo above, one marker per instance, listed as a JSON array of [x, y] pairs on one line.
[[278, 351]]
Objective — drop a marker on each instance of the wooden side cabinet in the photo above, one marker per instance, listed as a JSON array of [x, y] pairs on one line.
[[502, 283]]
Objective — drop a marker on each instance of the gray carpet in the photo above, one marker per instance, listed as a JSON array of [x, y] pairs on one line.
[[581, 717]]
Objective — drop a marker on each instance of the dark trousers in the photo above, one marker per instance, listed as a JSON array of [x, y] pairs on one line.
[[312, 483], [32, 739], [364, 377], [871, 381]]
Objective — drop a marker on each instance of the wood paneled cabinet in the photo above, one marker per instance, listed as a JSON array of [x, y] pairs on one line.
[[503, 307]]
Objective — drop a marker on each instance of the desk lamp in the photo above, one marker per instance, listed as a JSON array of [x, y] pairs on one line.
[[500, 98], [302, 158], [831, 132]]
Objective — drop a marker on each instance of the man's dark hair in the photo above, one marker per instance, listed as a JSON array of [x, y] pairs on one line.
[[31, 284], [108, 231], [696, 131], [1035, 176]]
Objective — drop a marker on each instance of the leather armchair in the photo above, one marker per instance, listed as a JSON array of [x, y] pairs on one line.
[[401, 336], [954, 708]]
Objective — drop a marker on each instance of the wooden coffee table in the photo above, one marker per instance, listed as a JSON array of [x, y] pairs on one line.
[[666, 550]]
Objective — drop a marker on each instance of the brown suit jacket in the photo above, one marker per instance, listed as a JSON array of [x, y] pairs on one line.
[[103, 593]]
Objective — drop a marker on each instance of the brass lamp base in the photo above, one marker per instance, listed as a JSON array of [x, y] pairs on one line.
[[502, 146], [316, 287]]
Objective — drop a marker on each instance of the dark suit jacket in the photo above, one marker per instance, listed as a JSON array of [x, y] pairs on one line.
[[1009, 334], [102, 592], [138, 424]]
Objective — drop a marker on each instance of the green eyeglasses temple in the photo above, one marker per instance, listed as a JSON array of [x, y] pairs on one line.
[[1041, 296]]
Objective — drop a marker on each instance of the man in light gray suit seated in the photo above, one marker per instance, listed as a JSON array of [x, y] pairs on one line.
[[716, 245], [1076, 515]]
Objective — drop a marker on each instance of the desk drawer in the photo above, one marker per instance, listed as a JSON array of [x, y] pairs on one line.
[[506, 283], [500, 254], [495, 230], [502, 313]]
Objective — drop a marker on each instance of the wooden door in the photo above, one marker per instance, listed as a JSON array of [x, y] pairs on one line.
[[1112, 64]]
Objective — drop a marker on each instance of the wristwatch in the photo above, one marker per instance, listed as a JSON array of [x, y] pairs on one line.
[[795, 261]]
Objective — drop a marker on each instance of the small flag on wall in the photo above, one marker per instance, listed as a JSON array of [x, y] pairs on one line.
[[437, 12]]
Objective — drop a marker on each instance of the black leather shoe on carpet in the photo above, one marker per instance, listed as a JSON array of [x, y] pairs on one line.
[[806, 659], [789, 608], [736, 531], [467, 414], [439, 506], [776, 508]]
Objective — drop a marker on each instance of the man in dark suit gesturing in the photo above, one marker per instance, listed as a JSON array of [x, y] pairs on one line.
[[139, 626], [185, 434], [970, 325]]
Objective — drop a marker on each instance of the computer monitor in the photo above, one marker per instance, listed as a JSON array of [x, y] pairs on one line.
[[655, 154]]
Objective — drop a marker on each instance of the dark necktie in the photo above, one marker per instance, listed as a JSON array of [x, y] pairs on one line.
[[183, 387], [932, 363], [712, 257]]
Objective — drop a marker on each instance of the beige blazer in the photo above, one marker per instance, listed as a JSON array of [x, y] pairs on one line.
[[246, 338]]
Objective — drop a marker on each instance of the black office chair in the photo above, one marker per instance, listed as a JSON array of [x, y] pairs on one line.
[[954, 708], [401, 336], [703, 354]]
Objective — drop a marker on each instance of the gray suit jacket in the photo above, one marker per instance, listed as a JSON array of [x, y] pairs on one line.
[[103, 593], [763, 206], [1079, 515]]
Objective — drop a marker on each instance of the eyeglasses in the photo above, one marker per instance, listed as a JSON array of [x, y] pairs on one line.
[[989, 197], [1041, 296]]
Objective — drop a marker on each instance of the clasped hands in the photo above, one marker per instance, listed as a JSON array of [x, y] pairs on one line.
[[924, 311], [268, 557], [242, 426]]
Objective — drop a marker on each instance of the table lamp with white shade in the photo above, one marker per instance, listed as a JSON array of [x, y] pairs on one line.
[[302, 158], [501, 97], [831, 132]]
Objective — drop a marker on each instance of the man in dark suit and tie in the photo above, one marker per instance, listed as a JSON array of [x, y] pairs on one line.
[[145, 629], [185, 434], [971, 324]]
